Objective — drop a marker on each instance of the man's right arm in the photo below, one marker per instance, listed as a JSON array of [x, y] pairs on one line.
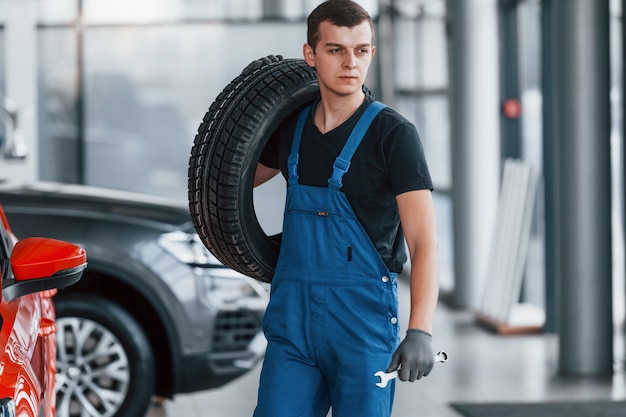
[[264, 174]]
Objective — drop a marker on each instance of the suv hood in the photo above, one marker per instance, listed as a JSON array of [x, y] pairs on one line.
[[58, 196]]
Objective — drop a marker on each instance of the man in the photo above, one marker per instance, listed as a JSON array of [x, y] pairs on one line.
[[358, 185]]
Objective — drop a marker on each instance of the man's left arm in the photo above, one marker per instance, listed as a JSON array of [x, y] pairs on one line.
[[415, 355]]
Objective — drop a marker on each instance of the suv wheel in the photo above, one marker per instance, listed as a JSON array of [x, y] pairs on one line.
[[105, 365]]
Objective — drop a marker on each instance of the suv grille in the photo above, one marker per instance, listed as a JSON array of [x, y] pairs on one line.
[[234, 330]]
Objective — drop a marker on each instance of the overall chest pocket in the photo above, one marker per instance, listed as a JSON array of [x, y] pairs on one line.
[[315, 239]]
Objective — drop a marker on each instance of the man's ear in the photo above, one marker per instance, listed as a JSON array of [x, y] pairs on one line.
[[373, 51], [309, 55]]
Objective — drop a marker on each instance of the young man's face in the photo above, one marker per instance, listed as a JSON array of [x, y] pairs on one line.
[[342, 57]]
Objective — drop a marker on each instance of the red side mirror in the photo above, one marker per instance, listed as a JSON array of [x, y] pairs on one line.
[[36, 257], [41, 264]]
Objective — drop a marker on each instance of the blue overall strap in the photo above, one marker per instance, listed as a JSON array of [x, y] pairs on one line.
[[342, 163], [292, 160]]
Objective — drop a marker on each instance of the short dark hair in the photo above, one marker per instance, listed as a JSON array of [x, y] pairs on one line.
[[345, 13]]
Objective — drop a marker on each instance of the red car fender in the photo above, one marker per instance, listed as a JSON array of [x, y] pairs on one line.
[[47, 331], [22, 361]]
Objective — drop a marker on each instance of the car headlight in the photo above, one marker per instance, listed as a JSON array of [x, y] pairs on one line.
[[7, 407], [218, 286], [188, 249], [229, 290]]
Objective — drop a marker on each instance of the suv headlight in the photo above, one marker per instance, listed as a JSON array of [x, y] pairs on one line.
[[7, 407], [218, 286], [188, 249], [229, 290]]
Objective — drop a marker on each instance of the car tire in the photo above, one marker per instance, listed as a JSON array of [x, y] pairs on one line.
[[85, 323], [226, 151]]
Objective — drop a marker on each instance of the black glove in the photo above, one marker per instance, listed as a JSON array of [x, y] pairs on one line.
[[414, 356], [257, 63]]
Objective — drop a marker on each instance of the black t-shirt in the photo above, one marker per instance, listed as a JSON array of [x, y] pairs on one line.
[[389, 161]]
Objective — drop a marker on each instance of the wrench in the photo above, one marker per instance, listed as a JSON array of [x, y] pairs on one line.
[[385, 377]]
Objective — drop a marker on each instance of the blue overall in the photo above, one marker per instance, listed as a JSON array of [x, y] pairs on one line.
[[332, 318]]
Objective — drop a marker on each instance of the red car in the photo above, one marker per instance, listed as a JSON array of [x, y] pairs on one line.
[[31, 270]]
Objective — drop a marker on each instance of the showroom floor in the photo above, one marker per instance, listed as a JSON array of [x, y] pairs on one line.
[[483, 367]]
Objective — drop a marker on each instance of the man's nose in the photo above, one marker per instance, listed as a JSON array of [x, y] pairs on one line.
[[350, 61]]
